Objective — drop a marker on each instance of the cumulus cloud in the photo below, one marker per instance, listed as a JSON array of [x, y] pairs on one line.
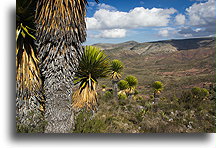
[[197, 21], [202, 14], [201, 20], [135, 18], [180, 19], [113, 33]]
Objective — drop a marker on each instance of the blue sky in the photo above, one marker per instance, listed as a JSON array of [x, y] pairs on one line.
[[115, 21]]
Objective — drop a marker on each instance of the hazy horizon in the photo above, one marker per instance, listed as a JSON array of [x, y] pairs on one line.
[[151, 41]]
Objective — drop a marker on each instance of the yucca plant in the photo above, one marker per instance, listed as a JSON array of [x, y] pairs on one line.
[[158, 87], [123, 85], [93, 65], [61, 29], [116, 68], [132, 82], [28, 81]]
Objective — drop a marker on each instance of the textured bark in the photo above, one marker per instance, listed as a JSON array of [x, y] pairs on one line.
[[60, 31], [29, 118], [115, 90], [58, 81]]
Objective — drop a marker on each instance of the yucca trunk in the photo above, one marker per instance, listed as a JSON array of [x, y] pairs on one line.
[[60, 31], [115, 89], [156, 96]]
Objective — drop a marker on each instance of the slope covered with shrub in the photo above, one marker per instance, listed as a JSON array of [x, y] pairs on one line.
[[192, 112]]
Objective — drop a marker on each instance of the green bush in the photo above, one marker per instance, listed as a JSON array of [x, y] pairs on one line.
[[85, 123], [107, 96], [199, 92], [103, 86]]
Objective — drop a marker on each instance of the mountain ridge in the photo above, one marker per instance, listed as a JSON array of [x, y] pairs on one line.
[[159, 47]]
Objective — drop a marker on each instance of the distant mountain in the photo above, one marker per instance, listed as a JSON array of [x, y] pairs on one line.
[[126, 45], [153, 48], [193, 43], [159, 47]]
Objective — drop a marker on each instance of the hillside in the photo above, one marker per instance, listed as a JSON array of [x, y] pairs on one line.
[[159, 47], [167, 61], [182, 66]]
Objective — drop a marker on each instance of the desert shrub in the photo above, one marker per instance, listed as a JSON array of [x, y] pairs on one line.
[[103, 86], [199, 92], [193, 98], [177, 114], [151, 97], [107, 96], [86, 123], [139, 98]]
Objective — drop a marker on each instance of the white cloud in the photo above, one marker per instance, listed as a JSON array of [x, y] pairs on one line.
[[167, 32], [163, 33], [201, 20], [202, 13], [106, 7], [135, 18], [180, 19], [113, 33], [92, 4]]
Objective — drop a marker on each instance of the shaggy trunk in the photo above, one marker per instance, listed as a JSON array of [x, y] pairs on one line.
[[130, 94], [60, 31], [115, 90], [29, 118], [57, 88], [156, 96]]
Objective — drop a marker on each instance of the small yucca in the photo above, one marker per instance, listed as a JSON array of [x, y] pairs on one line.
[[116, 68], [132, 82], [122, 85], [94, 64], [157, 86]]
